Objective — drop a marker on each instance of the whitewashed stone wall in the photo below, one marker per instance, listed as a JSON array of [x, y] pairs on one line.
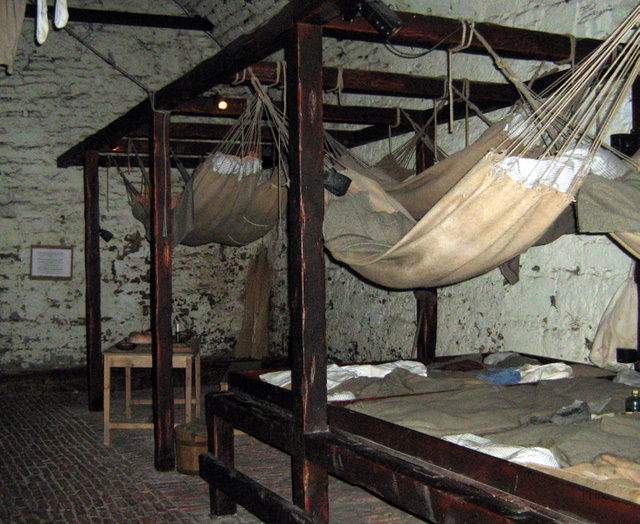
[[61, 93]]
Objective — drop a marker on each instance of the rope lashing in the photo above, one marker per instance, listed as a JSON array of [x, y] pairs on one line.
[[393, 126], [571, 59], [468, 28], [337, 89]]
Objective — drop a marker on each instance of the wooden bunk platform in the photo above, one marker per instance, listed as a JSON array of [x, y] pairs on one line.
[[448, 483]]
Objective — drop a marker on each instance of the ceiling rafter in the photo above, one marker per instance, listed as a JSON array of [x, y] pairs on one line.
[[104, 16], [419, 31]]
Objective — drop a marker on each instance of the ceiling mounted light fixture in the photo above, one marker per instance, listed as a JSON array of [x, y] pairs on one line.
[[381, 17]]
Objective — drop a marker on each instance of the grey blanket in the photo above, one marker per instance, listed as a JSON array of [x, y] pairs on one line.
[[11, 18]]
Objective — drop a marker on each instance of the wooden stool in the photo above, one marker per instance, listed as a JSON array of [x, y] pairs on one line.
[[185, 356]]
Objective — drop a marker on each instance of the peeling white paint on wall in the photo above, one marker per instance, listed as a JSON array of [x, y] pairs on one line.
[[61, 93]]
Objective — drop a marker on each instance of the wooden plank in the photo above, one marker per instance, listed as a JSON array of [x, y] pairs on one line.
[[430, 492], [374, 133], [161, 299], [426, 31], [103, 16], [509, 477], [92, 280], [252, 385], [112, 160], [305, 200], [239, 54], [265, 504]]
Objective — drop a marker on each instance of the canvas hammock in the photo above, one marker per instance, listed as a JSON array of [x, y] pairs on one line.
[[230, 198], [511, 185]]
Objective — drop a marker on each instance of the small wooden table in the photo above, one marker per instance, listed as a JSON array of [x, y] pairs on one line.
[[185, 355]]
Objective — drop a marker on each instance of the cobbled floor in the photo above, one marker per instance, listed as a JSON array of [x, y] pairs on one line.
[[55, 469]]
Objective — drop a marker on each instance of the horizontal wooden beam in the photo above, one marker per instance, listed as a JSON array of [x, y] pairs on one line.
[[428, 491], [344, 114], [489, 103], [386, 83], [191, 143], [103, 16], [244, 51], [426, 31], [124, 161]]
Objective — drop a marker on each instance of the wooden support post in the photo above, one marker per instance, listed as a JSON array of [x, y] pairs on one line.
[[306, 262], [161, 255], [221, 446], [426, 299], [635, 125], [92, 279]]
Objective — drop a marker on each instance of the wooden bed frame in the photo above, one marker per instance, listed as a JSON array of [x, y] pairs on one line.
[[448, 483]]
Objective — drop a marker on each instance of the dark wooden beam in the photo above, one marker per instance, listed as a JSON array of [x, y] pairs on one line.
[[253, 386], [102, 16], [92, 280], [343, 114], [425, 31], [208, 106], [265, 504], [244, 51], [308, 345], [428, 491], [377, 132], [186, 131], [386, 83], [161, 299]]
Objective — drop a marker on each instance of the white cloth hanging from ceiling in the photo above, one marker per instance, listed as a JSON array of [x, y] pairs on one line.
[[60, 18]]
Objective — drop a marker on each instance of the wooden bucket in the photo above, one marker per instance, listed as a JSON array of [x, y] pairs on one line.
[[191, 442]]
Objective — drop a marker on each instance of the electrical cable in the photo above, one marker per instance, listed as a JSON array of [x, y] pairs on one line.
[[403, 54], [189, 11]]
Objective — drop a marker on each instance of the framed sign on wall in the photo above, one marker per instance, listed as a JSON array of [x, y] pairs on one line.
[[51, 262]]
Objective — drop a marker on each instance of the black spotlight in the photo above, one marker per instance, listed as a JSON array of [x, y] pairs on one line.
[[383, 19], [106, 235], [336, 183]]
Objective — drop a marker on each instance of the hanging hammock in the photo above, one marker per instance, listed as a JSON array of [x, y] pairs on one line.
[[520, 178], [610, 204], [231, 198]]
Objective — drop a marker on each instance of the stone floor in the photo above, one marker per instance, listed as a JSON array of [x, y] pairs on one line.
[[55, 469]]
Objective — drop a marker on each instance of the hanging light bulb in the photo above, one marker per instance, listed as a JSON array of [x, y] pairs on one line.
[[223, 105]]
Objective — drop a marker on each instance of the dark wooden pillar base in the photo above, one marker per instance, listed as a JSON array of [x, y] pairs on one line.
[[427, 312], [221, 446]]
